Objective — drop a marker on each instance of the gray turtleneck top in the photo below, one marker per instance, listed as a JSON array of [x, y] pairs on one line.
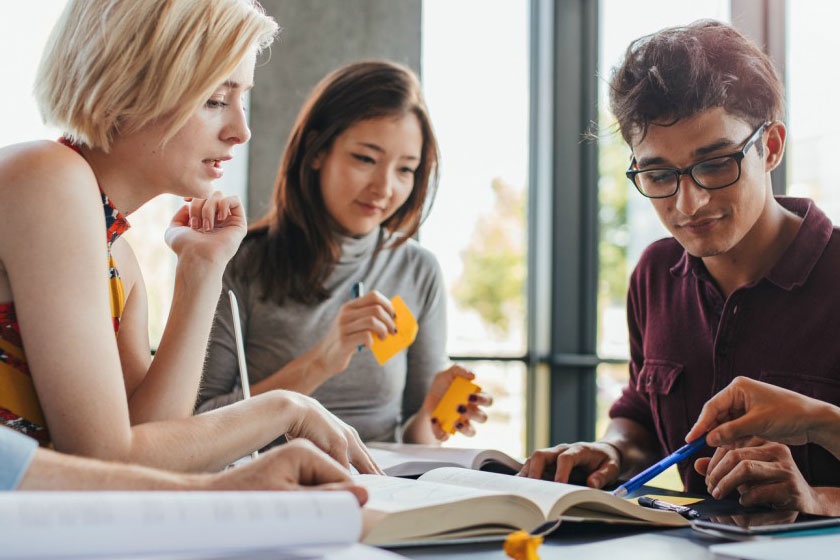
[[372, 398]]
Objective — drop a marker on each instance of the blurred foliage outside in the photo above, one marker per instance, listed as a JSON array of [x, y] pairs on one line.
[[493, 280]]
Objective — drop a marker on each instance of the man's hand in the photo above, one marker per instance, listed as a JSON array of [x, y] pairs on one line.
[[297, 465], [763, 473], [600, 461]]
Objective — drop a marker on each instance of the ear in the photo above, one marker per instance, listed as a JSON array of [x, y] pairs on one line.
[[318, 160], [774, 145]]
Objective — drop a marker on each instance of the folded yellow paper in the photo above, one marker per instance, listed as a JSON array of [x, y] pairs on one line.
[[446, 412], [393, 344]]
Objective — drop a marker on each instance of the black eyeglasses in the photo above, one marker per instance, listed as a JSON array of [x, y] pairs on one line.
[[711, 174]]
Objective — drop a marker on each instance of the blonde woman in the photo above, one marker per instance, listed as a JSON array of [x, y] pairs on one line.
[[149, 94]]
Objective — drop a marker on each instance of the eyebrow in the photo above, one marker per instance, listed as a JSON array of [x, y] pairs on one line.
[[236, 85], [701, 151], [379, 149]]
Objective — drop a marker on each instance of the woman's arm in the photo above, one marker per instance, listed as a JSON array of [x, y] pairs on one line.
[[59, 281], [169, 387]]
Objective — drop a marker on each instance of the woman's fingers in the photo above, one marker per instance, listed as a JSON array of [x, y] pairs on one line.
[[366, 324], [355, 312]]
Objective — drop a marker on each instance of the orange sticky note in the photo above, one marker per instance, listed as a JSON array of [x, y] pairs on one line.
[[393, 344], [446, 412]]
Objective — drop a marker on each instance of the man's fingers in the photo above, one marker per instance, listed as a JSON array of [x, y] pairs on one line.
[[358, 491], [314, 466], [749, 472], [701, 465], [574, 457], [605, 473]]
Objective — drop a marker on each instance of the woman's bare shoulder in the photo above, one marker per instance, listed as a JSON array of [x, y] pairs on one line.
[[45, 182], [34, 169]]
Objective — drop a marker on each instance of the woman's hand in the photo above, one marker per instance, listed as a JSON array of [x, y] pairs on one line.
[[747, 408], [470, 412], [298, 465], [210, 229], [358, 321], [339, 440]]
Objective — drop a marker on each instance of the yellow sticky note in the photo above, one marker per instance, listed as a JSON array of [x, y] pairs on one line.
[[446, 412], [676, 500], [393, 344]]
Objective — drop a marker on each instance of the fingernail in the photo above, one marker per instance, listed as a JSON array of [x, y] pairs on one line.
[[462, 408], [206, 225], [434, 420], [459, 425], [473, 397], [596, 481], [716, 493], [194, 222]]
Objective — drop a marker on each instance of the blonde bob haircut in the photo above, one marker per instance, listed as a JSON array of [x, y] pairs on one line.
[[111, 67]]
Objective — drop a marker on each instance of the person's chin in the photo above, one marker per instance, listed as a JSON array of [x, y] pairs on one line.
[[704, 248]]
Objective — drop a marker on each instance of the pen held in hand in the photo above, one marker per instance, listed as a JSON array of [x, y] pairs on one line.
[[649, 473], [357, 292]]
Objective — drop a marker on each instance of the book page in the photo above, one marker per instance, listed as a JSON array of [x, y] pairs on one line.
[[122, 523], [542, 492], [389, 494], [412, 459]]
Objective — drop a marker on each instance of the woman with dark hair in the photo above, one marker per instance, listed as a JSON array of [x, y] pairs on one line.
[[358, 173]]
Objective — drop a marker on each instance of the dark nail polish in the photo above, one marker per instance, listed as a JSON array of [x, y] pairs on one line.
[[459, 425], [473, 397], [462, 408], [434, 420]]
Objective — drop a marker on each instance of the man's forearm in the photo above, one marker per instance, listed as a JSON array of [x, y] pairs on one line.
[[637, 446], [56, 471]]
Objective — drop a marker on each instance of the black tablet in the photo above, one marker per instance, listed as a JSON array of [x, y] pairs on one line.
[[764, 523]]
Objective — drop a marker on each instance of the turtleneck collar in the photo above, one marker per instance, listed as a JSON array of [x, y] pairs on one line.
[[357, 249]]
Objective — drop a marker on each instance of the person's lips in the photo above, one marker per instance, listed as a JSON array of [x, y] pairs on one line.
[[370, 208], [700, 225], [214, 165]]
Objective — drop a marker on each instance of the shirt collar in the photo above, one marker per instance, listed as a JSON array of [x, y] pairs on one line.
[[798, 260]]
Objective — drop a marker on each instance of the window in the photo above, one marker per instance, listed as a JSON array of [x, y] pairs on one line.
[[813, 133], [475, 80]]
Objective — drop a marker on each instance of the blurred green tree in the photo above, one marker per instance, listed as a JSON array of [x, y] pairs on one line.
[[493, 279]]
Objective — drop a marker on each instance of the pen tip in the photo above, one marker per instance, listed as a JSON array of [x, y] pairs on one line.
[[620, 492]]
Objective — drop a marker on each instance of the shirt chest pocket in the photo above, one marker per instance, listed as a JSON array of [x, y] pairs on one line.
[[661, 381]]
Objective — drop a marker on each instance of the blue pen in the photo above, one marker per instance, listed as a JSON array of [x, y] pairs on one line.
[[358, 291], [646, 475]]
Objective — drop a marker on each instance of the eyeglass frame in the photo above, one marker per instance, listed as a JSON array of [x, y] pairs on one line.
[[737, 156]]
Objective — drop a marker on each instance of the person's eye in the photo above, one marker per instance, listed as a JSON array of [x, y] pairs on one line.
[[364, 159], [407, 170], [215, 104], [658, 176]]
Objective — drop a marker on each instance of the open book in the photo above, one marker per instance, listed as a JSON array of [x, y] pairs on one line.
[[452, 504], [409, 459], [232, 524]]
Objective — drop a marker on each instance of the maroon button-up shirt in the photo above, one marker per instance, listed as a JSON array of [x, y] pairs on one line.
[[688, 341]]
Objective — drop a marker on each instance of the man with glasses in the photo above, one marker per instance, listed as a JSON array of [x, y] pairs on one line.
[[748, 285]]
